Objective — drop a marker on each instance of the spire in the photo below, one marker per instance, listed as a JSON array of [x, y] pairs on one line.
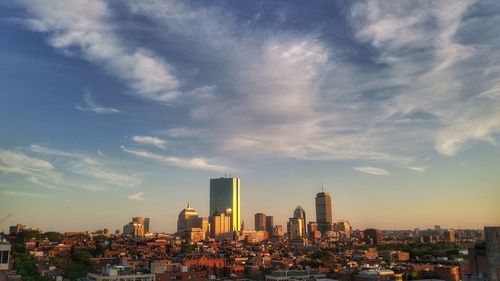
[[189, 206], [322, 188]]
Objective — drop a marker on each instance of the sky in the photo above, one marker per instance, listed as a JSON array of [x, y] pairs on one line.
[[115, 109]]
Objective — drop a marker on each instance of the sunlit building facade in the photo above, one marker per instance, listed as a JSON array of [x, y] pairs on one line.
[[225, 197]]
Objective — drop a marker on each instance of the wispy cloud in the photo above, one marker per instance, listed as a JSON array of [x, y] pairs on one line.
[[81, 164], [186, 163], [137, 197], [86, 29], [25, 194], [424, 82], [16, 162], [151, 141], [372, 171], [91, 105]]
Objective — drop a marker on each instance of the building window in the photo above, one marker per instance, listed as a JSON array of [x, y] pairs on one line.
[[4, 256]]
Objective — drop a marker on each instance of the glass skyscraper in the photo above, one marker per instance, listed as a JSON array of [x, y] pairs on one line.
[[224, 196]]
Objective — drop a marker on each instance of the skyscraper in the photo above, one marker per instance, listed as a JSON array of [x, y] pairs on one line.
[[269, 224], [324, 208], [324, 212], [260, 222], [300, 214], [224, 196]]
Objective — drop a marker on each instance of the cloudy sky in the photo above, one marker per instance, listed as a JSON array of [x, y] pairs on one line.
[[113, 109]]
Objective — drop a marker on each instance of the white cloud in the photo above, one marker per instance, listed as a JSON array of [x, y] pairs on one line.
[[85, 28], [25, 194], [137, 197], [150, 140], [81, 164], [91, 105], [423, 84], [16, 162], [372, 171], [186, 163]]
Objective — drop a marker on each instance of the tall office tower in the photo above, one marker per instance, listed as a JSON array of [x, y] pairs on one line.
[[220, 223], [324, 212], [270, 225], [295, 228], [224, 196], [184, 215], [492, 239], [373, 236], [146, 225], [260, 222], [299, 213], [324, 208]]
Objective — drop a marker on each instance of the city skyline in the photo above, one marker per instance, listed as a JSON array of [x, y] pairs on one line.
[[113, 110]]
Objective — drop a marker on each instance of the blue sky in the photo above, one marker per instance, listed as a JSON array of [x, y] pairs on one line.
[[113, 109]]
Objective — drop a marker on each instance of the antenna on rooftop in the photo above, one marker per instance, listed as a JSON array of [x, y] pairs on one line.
[[322, 188]]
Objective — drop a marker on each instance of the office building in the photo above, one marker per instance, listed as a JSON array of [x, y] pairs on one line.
[[324, 208], [492, 240], [225, 198], [184, 215], [260, 222], [220, 223], [373, 236], [143, 221], [134, 229], [300, 214], [270, 224], [295, 228], [344, 228]]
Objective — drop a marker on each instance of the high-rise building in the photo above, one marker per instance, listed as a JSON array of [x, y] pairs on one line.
[[373, 236], [146, 225], [492, 239], [224, 197], [324, 208], [324, 212], [260, 222], [143, 221], [220, 223], [299, 213], [269, 224], [134, 229], [185, 215], [295, 228]]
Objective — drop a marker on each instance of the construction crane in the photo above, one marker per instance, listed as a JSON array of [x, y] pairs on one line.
[[4, 219]]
